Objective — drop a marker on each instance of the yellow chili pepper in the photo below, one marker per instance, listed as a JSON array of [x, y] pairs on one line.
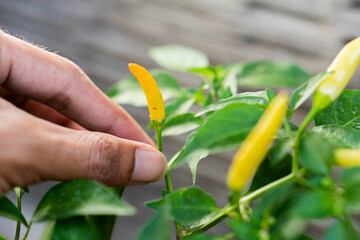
[[343, 68], [257, 143], [347, 157], [153, 95]]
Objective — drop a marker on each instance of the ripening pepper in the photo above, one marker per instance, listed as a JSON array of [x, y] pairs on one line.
[[347, 157], [254, 148], [342, 68], [152, 92]]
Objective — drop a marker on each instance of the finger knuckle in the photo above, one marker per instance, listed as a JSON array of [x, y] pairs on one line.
[[104, 158]]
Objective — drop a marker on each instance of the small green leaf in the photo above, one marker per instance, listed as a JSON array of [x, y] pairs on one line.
[[272, 74], [178, 57], [315, 153], [9, 210], [203, 237], [350, 180], [246, 230], [104, 225], [129, 91], [251, 98], [158, 227], [223, 130], [208, 72], [2, 237], [339, 137], [76, 228], [188, 205], [270, 94], [314, 204], [302, 93], [230, 81], [345, 111], [226, 94], [341, 230], [80, 197], [178, 106], [181, 124]]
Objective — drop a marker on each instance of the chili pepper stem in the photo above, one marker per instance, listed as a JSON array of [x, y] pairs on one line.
[[18, 224], [169, 187], [295, 161]]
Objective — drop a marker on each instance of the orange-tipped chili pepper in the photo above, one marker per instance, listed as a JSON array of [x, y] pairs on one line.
[[343, 68], [152, 92], [254, 148]]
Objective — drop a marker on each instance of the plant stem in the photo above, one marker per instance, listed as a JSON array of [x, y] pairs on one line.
[[18, 224], [168, 182], [259, 192], [218, 218], [288, 129], [27, 231], [301, 130]]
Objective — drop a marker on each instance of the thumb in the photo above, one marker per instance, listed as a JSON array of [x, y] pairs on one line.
[[103, 157]]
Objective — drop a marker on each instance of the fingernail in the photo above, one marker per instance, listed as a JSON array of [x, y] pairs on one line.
[[150, 166]]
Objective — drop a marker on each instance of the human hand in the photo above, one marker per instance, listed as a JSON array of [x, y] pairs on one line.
[[46, 104]]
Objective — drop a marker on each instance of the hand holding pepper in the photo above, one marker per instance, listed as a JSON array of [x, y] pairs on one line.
[[46, 104]]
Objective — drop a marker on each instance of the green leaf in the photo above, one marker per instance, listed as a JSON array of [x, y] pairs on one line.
[[315, 153], [270, 94], [272, 74], [208, 72], [178, 106], [302, 93], [181, 124], [314, 204], [202, 237], [341, 230], [350, 180], [9, 210], [103, 224], [345, 111], [186, 205], [246, 230], [76, 228], [80, 197], [129, 91], [230, 81], [158, 227], [251, 98], [178, 57], [223, 130], [339, 137], [2, 237]]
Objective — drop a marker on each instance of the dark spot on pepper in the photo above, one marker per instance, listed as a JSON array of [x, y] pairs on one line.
[[154, 108]]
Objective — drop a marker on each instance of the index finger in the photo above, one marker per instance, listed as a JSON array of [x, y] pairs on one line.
[[46, 77]]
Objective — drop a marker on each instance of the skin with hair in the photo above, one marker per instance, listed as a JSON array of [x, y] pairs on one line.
[[57, 125]]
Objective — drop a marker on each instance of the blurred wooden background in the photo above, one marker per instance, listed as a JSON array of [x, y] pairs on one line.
[[103, 36]]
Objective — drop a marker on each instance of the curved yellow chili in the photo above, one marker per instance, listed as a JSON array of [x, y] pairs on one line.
[[257, 143], [343, 68], [152, 92], [347, 157]]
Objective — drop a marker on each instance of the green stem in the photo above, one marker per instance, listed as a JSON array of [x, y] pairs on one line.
[[18, 225], [259, 192], [288, 129], [27, 231], [218, 218], [158, 129], [301, 130]]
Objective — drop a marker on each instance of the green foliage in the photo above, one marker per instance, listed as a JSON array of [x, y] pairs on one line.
[[80, 197], [302, 93], [180, 124], [177, 57], [345, 111], [76, 228], [9, 210], [271, 74]]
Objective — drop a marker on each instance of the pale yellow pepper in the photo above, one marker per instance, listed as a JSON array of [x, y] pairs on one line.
[[342, 68], [254, 148], [152, 92], [347, 157]]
